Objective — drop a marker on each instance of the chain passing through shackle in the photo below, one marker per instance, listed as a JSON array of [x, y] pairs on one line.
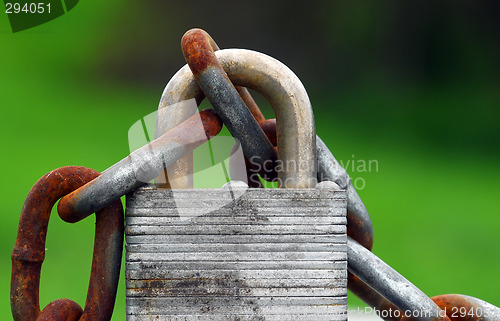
[[199, 50], [198, 43], [237, 253], [280, 86]]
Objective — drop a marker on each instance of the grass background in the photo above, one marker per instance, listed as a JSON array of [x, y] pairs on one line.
[[433, 200]]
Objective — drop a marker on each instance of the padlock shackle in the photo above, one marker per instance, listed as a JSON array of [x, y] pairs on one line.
[[287, 96]]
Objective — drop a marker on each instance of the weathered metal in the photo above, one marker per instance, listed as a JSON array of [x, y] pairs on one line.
[[236, 254], [29, 251], [251, 104], [61, 310], [204, 38], [139, 167], [280, 86]]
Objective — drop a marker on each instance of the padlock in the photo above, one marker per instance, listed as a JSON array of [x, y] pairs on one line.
[[235, 253]]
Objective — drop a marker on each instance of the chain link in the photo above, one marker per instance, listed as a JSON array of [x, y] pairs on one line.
[[29, 252], [139, 167]]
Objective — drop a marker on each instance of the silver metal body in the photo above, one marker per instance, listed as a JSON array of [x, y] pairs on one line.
[[236, 254]]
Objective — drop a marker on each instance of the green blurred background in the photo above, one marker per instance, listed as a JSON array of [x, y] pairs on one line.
[[412, 85]]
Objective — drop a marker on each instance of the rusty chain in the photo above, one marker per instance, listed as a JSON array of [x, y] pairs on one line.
[[83, 191]]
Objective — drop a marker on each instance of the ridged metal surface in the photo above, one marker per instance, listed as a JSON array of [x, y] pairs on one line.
[[270, 254]]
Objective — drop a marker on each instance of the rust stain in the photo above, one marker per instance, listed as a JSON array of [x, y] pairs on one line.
[[198, 50]]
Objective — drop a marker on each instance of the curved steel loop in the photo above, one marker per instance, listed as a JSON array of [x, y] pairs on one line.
[[29, 251], [139, 167], [460, 307], [281, 87]]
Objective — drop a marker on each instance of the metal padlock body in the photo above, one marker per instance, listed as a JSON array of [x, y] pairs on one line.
[[275, 254], [232, 254]]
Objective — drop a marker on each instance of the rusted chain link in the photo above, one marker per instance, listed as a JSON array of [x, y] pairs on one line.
[[61, 310], [199, 50], [139, 167], [83, 192], [29, 252]]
